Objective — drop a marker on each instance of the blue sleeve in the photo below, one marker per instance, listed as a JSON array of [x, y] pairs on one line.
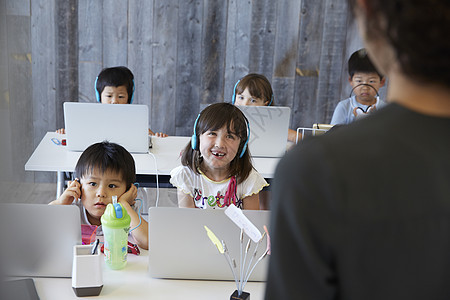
[[339, 115]]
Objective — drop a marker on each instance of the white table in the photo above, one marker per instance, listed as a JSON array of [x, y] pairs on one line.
[[133, 282], [51, 157]]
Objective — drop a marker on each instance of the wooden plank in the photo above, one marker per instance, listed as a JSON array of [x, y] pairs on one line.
[[165, 25], [333, 43], [66, 55], [188, 65], [43, 69], [308, 59], [45, 107], [5, 123], [285, 53], [213, 56], [140, 50], [90, 48], [262, 37], [4, 102], [238, 44], [115, 33], [18, 7], [19, 66]]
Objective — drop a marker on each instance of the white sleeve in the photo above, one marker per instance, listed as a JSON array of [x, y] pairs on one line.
[[252, 185], [182, 178]]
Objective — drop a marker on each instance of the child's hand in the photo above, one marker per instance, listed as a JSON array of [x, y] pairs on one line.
[[129, 196], [73, 192], [61, 131], [158, 134]]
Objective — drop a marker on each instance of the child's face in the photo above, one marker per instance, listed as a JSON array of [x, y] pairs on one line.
[[245, 99], [218, 148], [114, 95], [365, 94], [97, 190]]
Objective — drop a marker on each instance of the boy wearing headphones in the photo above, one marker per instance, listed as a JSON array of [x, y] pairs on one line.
[[115, 85], [365, 81], [105, 170]]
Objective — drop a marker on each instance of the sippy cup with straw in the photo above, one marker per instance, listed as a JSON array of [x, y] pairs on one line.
[[116, 225]]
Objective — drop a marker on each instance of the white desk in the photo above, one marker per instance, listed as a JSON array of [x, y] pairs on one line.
[[133, 282], [51, 157]]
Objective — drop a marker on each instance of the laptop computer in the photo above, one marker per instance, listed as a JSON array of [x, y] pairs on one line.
[[179, 246], [38, 239], [268, 129], [89, 123]]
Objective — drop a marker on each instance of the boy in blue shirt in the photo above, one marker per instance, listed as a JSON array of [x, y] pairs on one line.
[[365, 81]]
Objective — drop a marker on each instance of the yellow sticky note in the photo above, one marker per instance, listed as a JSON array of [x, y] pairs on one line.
[[214, 239]]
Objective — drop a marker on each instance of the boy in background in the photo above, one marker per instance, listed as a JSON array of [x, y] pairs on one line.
[[115, 85], [365, 81], [102, 171]]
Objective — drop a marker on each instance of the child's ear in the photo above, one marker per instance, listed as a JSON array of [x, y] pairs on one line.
[[382, 82]]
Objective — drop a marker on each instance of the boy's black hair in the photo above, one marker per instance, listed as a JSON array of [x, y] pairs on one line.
[[359, 62], [116, 76], [106, 156]]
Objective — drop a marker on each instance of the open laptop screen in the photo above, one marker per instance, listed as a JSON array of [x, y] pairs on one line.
[[268, 129], [89, 123]]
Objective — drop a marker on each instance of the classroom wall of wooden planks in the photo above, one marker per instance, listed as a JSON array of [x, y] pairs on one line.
[[184, 55]]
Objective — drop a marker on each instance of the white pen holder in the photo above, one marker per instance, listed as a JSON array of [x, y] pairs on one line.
[[87, 277]]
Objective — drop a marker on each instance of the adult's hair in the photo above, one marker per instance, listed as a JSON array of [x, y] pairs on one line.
[[359, 62], [258, 86], [212, 118], [417, 31], [106, 156], [116, 76]]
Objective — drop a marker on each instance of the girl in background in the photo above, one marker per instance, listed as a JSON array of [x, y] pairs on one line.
[[255, 90]]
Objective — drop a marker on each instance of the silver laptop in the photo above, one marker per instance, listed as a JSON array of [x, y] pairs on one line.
[[38, 239], [89, 123], [179, 246], [268, 129]]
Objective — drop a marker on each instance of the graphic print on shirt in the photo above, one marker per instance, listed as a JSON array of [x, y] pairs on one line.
[[213, 201]]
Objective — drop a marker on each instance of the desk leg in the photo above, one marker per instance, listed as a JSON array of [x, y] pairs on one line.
[[59, 184]]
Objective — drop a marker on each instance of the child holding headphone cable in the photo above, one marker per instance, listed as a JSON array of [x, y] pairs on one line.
[[115, 85], [216, 167], [365, 81], [255, 90]]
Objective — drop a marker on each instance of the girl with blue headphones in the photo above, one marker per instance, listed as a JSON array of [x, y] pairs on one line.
[[216, 168]]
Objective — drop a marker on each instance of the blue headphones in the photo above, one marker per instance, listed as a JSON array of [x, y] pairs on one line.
[[194, 139], [234, 94], [99, 98]]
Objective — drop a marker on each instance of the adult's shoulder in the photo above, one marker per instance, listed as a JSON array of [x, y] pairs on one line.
[[346, 142]]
